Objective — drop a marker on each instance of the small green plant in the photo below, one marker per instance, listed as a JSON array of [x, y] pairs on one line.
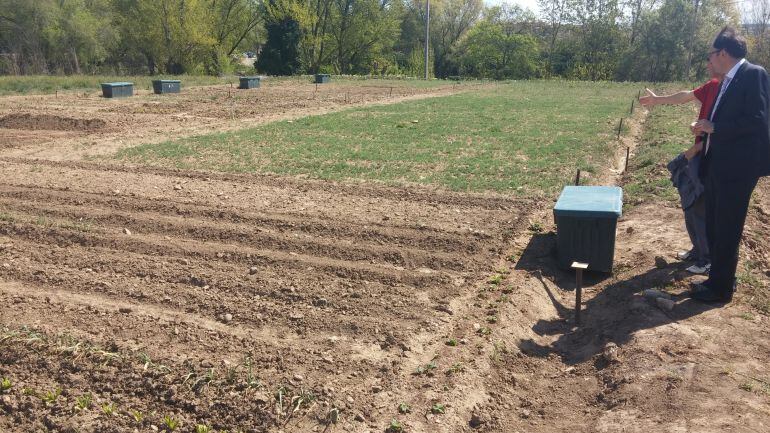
[[499, 349], [44, 221], [170, 423], [83, 402], [426, 369], [202, 428], [512, 258], [747, 386], [404, 408], [50, 397], [137, 415], [437, 408], [484, 330], [109, 408], [747, 316], [455, 369], [5, 384], [28, 391], [535, 227], [496, 279], [394, 427], [303, 398], [251, 379], [748, 279], [451, 342], [492, 319]]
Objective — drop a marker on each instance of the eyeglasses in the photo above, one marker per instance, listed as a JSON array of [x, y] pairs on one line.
[[708, 56]]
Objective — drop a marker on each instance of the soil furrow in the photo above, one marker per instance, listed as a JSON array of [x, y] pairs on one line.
[[96, 220]]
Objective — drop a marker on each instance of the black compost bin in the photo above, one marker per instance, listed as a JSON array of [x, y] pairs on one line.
[[166, 86], [249, 83], [117, 90], [322, 78], [586, 218]]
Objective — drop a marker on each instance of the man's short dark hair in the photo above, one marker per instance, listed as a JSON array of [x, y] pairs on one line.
[[729, 40]]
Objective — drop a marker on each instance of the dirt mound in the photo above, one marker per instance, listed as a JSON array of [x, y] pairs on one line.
[[49, 122]]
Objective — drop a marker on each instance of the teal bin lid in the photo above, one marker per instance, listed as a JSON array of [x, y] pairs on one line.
[[590, 201], [118, 84], [167, 81]]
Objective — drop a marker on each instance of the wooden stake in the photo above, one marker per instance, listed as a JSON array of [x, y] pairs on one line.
[[620, 126], [632, 107], [628, 154], [578, 267], [577, 178]]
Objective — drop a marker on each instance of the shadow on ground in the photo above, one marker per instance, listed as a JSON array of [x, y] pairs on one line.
[[613, 313]]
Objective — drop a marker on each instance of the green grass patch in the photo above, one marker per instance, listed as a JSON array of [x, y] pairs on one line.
[[666, 134], [526, 137]]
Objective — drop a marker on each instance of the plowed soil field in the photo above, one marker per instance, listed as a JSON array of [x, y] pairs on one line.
[[200, 296]]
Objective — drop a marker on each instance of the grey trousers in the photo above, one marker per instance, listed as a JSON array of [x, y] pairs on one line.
[[695, 221]]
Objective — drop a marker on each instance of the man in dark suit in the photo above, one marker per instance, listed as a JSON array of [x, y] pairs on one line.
[[737, 154]]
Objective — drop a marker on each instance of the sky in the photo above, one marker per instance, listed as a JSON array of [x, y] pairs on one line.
[[529, 4]]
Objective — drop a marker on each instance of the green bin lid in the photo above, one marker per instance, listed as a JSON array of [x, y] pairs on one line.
[[167, 81], [590, 201], [118, 84]]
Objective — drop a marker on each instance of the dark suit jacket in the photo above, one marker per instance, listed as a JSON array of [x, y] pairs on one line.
[[740, 145]]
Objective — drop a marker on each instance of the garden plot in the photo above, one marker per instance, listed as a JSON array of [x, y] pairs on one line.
[[228, 301]]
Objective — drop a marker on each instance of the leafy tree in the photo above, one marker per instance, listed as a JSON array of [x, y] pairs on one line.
[[280, 55], [498, 47], [450, 21]]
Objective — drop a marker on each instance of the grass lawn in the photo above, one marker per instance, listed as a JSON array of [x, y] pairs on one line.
[[665, 135], [527, 137]]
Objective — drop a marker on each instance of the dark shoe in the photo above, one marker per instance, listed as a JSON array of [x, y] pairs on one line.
[[705, 294]]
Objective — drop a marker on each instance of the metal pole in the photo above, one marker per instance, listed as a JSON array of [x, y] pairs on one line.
[[579, 268], [577, 178], [578, 295], [427, 35], [628, 155]]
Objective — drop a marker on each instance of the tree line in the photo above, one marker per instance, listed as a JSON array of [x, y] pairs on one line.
[[640, 40]]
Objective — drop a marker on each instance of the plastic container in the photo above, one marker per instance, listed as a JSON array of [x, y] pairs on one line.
[[322, 78], [166, 86], [586, 218], [249, 83], [117, 90]]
